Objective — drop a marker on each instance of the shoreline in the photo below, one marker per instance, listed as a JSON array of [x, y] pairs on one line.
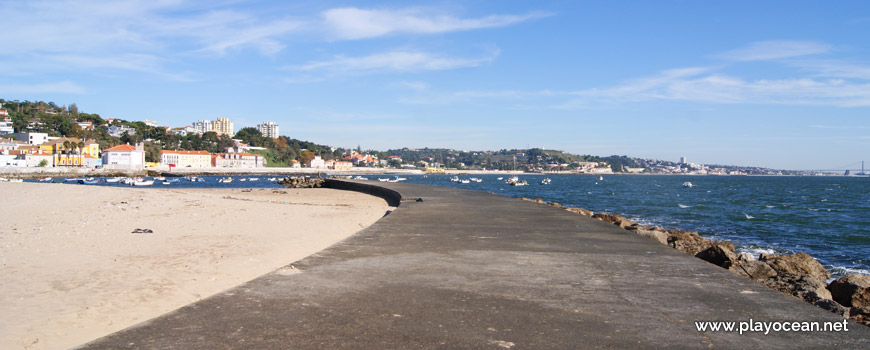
[[32, 172], [73, 267]]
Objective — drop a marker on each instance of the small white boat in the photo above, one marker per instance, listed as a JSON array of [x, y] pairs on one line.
[[384, 180], [600, 178], [113, 179], [688, 184], [166, 182], [511, 180], [45, 179], [360, 178], [546, 181], [254, 179], [464, 181], [454, 179], [243, 179], [476, 179], [143, 182], [500, 178], [226, 179], [273, 179], [160, 178], [15, 180], [519, 183]]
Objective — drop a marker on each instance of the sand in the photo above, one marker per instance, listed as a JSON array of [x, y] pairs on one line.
[[71, 270]]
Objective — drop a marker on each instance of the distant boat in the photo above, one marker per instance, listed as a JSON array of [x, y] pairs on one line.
[[45, 179], [688, 184], [113, 179], [243, 179], [143, 182], [511, 180], [254, 179], [226, 179], [475, 179], [384, 180], [500, 178], [465, 181], [454, 179], [89, 181], [519, 183], [546, 181], [600, 178]]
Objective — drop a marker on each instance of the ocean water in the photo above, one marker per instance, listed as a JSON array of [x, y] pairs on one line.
[[827, 217]]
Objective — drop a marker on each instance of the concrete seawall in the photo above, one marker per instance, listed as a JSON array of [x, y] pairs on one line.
[[452, 268]]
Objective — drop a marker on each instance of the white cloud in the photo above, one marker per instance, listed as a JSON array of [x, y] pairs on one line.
[[398, 60], [354, 23], [772, 50], [63, 87], [413, 85]]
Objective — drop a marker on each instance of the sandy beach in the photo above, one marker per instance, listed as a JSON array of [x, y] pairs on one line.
[[72, 270]]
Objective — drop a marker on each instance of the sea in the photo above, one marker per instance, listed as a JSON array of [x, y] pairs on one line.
[[827, 217]]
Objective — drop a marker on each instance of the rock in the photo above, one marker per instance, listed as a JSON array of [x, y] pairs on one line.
[[302, 182], [860, 315], [557, 205], [833, 306], [580, 211], [539, 200], [614, 219], [797, 264], [806, 287], [851, 290], [659, 236], [719, 254], [692, 243], [754, 269]]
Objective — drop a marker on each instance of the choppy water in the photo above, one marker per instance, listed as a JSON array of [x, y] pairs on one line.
[[827, 217]]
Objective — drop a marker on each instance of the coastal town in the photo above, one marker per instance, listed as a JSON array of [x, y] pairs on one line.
[[45, 135]]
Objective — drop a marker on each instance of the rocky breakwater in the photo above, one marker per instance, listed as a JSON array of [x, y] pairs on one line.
[[301, 182], [799, 275]]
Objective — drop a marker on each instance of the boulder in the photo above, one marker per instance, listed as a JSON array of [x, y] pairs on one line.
[[833, 306], [796, 264], [557, 205], [806, 287], [580, 211], [614, 219], [851, 290], [658, 236], [719, 254], [692, 243], [860, 315], [754, 269]]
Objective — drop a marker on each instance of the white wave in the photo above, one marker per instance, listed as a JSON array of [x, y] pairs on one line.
[[839, 271], [755, 251], [770, 206], [684, 206], [813, 209], [748, 217]]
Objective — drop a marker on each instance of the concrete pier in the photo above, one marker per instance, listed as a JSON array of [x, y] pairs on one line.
[[458, 269]]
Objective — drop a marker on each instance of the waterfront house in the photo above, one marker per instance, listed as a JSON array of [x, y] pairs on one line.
[[70, 151], [6, 126], [186, 159], [317, 162], [124, 157], [233, 159]]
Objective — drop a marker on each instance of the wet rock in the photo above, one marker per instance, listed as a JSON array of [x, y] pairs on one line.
[[557, 205], [581, 211], [796, 264], [851, 290], [719, 254], [614, 219], [832, 306], [754, 269], [302, 182]]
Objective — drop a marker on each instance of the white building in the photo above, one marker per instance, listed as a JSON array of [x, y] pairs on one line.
[[6, 126], [268, 129], [124, 157], [683, 160], [223, 126], [150, 123], [32, 138], [202, 126], [317, 162], [238, 160], [186, 159]]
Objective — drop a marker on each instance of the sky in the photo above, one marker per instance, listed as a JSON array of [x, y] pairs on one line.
[[779, 84]]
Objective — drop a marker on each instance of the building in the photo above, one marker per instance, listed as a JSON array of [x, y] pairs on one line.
[[223, 126], [186, 159], [342, 165], [317, 162], [32, 138], [238, 160], [69, 151], [120, 130], [124, 157], [150, 123], [202, 126], [683, 160], [268, 129], [6, 126]]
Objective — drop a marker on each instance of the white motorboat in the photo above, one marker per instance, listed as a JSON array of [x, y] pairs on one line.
[[546, 181], [143, 182], [688, 184]]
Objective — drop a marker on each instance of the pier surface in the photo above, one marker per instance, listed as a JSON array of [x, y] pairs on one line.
[[458, 269]]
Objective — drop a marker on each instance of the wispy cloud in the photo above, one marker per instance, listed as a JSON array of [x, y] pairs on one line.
[[413, 85], [63, 87], [397, 60], [772, 50], [354, 23]]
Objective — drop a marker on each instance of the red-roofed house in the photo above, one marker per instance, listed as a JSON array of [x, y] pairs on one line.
[[124, 157]]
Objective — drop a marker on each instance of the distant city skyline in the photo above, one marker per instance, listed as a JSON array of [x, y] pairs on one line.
[[783, 85]]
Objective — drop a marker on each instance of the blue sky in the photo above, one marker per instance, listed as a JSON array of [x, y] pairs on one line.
[[782, 84]]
